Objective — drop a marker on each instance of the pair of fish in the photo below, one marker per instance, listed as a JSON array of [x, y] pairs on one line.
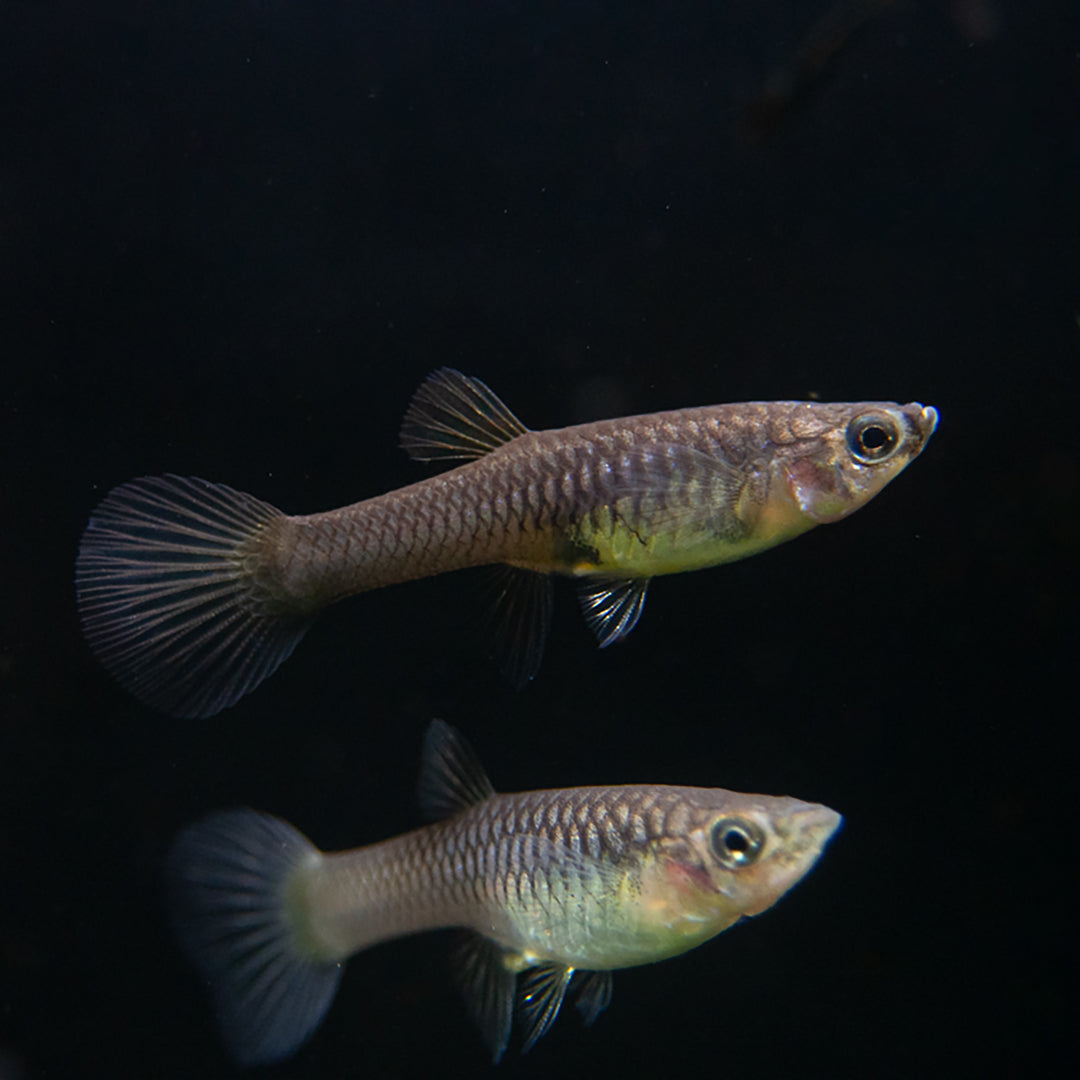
[[192, 593]]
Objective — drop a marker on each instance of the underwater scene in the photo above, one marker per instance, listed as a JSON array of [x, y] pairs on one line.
[[538, 537]]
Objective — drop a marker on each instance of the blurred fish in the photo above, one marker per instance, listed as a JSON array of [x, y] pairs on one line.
[[192, 593], [546, 884], [789, 88]]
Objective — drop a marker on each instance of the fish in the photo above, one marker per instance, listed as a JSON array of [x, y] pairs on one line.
[[789, 88], [191, 593], [549, 891]]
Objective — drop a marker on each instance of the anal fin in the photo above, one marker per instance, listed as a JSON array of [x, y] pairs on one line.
[[487, 985], [521, 619]]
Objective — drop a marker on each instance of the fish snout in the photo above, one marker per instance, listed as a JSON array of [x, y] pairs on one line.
[[814, 825], [803, 832], [923, 421]]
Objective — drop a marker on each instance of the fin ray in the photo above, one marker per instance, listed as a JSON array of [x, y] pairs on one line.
[[456, 417], [542, 990], [666, 486], [167, 600], [229, 879], [593, 994], [612, 606], [487, 985], [521, 613], [451, 776]]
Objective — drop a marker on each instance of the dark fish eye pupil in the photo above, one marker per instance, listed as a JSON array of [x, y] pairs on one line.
[[874, 437], [736, 842]]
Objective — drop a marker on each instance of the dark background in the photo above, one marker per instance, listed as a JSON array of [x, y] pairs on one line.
[[234, 237]]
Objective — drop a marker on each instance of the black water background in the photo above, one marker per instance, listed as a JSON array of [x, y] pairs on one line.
[[233, 239]]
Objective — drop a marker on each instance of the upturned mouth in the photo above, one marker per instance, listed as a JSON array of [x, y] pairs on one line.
[[816, 825], [924, 418]]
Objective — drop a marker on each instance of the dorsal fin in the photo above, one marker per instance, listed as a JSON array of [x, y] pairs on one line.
[[451, 776], [456, 417]]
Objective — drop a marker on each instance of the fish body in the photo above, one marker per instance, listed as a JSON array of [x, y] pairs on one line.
[[635, 497], [545, 883], [192, 593]]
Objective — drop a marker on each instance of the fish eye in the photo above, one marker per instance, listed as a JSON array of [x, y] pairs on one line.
[[737, 842], [873, 437]]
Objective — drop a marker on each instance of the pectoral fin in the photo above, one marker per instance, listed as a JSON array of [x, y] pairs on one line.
[[667, 487], [612, 606]]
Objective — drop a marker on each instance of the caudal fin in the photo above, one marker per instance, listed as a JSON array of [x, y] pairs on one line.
[[168, 600], [240, 917]]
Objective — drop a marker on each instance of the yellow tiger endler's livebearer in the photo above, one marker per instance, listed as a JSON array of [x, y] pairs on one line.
[[560, 887], [191, 593]]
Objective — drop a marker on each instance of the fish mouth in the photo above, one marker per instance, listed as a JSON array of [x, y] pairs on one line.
[[805, 830], [814, 826], [924, 420]]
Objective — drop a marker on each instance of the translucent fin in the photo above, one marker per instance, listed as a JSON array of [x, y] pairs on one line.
[[612, 606], [520, 621], [229, 879], [487, 986], [451, 776], [167, 600], [593, 994], [668, 486], [541, 996], [456, 417]]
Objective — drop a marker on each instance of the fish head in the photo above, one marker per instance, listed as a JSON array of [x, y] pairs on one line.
[[757, 852], [851, 452], [737, 857]]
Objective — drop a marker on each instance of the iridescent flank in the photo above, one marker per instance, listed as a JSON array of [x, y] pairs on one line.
[[191, 593], [558, 887]]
